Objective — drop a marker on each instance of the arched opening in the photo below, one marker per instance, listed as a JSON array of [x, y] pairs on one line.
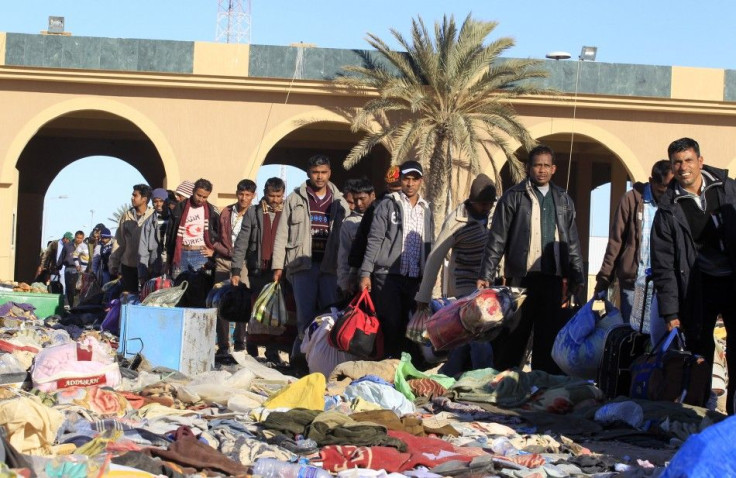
[[59, 143], [291, 175], [593, 165], [335, 140], [106, 191]]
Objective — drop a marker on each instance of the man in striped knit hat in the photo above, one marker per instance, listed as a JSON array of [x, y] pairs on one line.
[[465, 232]]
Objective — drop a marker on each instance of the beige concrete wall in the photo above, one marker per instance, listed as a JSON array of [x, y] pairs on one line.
[[697, 83], [3, 37], [221, 59], [222, 128]]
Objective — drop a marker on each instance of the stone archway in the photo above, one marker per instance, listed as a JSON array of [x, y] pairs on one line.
[[59, 142], [295, 140]]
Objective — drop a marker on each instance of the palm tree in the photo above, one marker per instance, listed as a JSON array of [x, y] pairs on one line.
[[119, 212], [443, 99]]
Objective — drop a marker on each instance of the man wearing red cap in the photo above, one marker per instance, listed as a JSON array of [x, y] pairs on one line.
[[400, 239]]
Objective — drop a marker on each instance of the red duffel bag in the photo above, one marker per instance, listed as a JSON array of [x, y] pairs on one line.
[[358, 331], [152, 285]]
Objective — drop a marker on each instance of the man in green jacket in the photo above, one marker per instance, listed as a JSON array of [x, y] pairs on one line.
[[306, 242]]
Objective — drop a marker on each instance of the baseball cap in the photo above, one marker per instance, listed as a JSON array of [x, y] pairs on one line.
[[392, 175], [409, 167], [68, 236]]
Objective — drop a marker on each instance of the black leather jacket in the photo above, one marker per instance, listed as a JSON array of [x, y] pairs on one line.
[[511, 230]]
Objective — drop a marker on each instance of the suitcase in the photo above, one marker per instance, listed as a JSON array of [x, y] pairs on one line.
[[623, 345]]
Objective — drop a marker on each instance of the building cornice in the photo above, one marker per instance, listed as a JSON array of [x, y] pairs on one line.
[[312, 87]]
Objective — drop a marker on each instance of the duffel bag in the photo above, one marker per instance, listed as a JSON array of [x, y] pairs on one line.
[[671, 373], [358, 331], [579, 345]]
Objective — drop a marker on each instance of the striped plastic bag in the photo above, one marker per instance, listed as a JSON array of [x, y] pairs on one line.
[[270, 306]]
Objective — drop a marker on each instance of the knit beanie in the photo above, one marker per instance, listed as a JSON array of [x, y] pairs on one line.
[[186, 189], [160, 193], [482, 189]]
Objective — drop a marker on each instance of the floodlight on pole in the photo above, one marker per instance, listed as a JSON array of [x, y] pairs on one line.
[[587, 53]]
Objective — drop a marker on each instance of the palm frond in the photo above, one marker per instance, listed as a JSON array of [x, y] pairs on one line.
[[448, 93]]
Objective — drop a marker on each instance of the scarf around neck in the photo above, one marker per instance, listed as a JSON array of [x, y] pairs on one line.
[[181, 228]]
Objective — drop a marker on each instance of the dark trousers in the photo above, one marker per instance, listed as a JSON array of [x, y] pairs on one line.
[[223, 326], [541, 312], [394, 300], [718, 299], [70, 283], [129, 278]]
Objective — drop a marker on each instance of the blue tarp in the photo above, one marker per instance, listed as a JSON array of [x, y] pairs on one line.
[[709, 454]]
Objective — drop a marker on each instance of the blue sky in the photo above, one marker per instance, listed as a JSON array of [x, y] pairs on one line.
[[660, 32]]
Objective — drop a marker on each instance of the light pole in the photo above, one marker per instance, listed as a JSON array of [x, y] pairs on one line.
[[587, 53], [45, 216]]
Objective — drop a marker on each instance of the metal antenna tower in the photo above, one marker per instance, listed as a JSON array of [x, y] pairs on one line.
[[233, 21]]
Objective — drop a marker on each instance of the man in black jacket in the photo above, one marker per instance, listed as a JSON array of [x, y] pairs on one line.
[[694, 253], [66, 260], [534, 229], [357, 251]]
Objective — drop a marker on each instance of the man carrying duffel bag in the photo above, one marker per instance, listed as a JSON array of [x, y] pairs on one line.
[[694, 254]]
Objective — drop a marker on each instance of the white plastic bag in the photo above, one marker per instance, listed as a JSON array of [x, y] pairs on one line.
[[321, 356]]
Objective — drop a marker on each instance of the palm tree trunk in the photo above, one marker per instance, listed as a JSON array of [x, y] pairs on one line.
[[437, 183]]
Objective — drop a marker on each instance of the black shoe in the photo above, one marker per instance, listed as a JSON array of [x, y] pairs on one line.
[[240, 347], [225, 359]]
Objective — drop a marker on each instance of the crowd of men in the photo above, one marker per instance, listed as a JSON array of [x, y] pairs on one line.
[[330, 243]]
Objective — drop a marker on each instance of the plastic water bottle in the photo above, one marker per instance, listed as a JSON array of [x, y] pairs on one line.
[[503, 447], [305, 444], [272, 468]]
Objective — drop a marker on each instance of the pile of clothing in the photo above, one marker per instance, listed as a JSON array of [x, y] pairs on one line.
[[380, 417]]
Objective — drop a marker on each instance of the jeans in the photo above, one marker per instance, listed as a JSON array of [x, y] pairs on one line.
[[627, 303], [193, 260], [314, 291]]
